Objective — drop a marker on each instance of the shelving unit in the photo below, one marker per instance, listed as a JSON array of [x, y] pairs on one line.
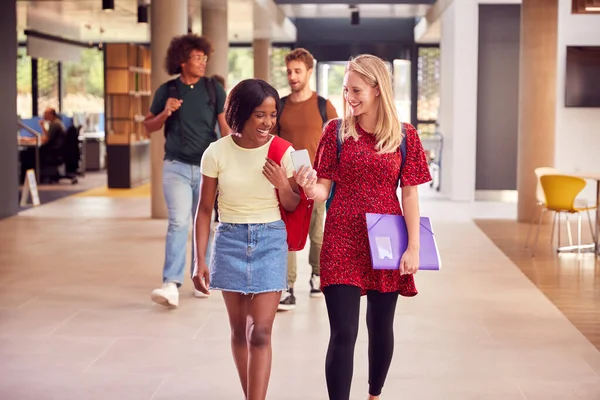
[[127, 91], [127, 100]]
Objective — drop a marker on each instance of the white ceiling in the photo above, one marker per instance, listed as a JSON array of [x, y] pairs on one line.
[[95, 25], [365, 10]]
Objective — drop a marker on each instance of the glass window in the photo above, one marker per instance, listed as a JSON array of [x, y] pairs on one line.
[[241, 65], [279, 71], [24, 99], [83, 83], [428, 84], [402, 94], [331, 77], [47, 73], [426, 129]]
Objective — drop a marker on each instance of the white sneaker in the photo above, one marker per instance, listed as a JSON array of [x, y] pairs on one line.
[[167, 295], [200, 295], [287, 301], [315, 286]]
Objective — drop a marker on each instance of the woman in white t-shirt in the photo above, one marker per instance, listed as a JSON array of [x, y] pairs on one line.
[[249, 256]]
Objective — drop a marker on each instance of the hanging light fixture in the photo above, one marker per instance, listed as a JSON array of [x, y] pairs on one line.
[[142, 13], [354, 15], [108, 5]]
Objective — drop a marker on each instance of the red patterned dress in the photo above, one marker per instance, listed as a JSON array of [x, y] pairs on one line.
[[366, 182]]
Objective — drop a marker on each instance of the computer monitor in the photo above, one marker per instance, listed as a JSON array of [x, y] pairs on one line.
[[33, 123]]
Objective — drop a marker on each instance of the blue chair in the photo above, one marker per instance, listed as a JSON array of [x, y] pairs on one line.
[[67, 121]]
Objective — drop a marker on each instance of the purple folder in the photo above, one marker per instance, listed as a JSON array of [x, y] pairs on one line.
[[388, 240]]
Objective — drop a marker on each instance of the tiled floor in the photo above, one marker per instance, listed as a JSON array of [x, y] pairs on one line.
[[76, 321], [64, 188], [571, 281]]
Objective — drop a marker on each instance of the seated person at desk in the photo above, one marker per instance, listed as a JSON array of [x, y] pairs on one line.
[[53, 136], [52, 140]]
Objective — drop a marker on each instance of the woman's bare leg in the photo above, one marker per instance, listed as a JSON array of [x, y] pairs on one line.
[[261, 314], [237, 310]]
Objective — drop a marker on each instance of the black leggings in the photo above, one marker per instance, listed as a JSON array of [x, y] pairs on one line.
[[343, 306]]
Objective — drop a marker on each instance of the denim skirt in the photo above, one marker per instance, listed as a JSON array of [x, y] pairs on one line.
[[249, 258]]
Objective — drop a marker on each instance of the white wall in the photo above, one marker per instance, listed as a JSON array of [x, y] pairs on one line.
[[458, 98], [577, 129]]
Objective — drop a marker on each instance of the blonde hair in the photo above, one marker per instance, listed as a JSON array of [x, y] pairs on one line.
[[388, 129]]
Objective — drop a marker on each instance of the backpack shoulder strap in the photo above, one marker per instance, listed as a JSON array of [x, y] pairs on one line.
[[322, 108], [277, 149], [212, 94], [172, 88], [403, 148], [173, 92], [402, 153], [338, 136]]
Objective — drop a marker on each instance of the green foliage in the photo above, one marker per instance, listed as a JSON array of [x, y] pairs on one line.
[[241, 65], [47, 73], [23, 71], [278, 69], [85, 76], [335, 79]]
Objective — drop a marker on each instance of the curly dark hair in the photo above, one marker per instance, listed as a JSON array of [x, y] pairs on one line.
[[180, 49], [244, 98]]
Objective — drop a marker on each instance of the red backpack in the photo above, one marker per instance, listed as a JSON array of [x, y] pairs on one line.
[[297, 222]]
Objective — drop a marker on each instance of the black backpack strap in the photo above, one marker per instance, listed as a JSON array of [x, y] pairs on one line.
[[322, 108], [338, 135], [281, 106], [172, 88], [212, 94], [172, 92], [402, 152], [403, 148], [338, 139]]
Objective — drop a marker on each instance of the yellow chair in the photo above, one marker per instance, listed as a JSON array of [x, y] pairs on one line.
[[561, 192], [540, 199]]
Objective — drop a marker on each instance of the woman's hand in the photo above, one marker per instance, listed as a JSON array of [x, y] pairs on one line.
[[307, 179], [409, 263], [202, 278], [276, 174]]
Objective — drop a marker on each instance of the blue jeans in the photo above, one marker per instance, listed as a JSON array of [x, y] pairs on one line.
[[181, 186]]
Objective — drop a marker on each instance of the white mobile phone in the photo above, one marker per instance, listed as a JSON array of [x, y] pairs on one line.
[[300, 158]]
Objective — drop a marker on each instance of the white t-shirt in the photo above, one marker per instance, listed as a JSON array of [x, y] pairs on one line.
[[245, 195]]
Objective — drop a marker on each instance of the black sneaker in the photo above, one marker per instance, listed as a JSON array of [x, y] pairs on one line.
[[315, 286], [288, 301]]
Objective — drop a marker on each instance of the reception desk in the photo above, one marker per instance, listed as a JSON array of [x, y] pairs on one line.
[[128, 165]]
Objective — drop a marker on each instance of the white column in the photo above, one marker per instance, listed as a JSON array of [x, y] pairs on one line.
[[214, 27], [261, 44], [458, 98], [9, 170], [168, 19], [262, 59]]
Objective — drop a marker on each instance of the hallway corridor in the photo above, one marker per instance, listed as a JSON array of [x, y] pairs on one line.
[[77, 323]]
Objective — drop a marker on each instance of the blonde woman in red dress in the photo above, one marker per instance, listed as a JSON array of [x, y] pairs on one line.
[[366, 177]]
